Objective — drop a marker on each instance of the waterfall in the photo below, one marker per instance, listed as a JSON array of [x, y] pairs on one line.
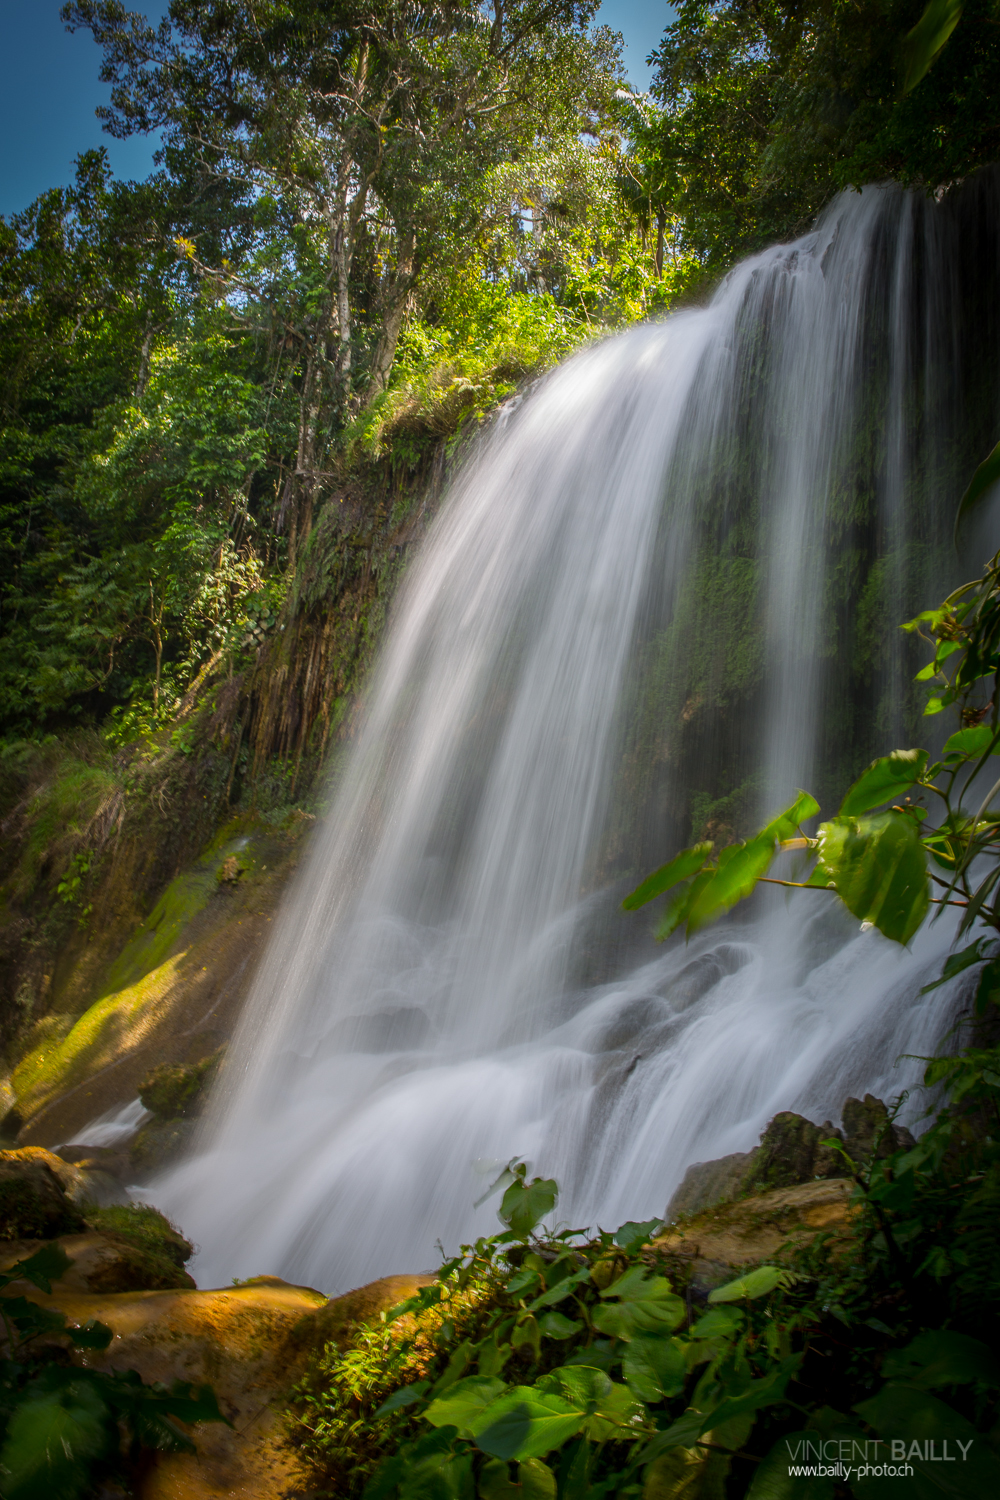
[[664, 593]]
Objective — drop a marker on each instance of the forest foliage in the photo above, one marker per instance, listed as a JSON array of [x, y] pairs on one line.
[[368, 223]]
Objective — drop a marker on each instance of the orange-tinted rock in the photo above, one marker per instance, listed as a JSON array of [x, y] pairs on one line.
[[251, 1344]]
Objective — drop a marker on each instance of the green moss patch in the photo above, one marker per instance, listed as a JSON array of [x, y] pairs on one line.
[[153, 1255]]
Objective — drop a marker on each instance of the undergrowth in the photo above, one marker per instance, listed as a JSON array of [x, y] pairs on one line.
[[558, 1363]]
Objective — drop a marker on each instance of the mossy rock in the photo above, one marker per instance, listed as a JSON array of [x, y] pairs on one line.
[[158, 1143], [175, 1091], [152, 1252], [33, 1202]]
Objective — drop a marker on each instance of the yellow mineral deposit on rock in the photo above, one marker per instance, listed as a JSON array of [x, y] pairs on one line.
[[250, 1343], [760, 1227]]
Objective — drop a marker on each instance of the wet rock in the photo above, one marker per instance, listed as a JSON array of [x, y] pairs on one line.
[[157, 1144], [868, 1119], [37, 1192], [176, 1091], [708, 1182], [791, 1151]]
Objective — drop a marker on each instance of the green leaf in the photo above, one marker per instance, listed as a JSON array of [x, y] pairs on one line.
[[53, 1439], [879, 870], [886, 779], [970, 743], [683, 1433], [731, 883], [920, 47], [464, 1402], [758, 1394], [957, 962], [561, 1290], [654, 1366], [719, 1323], [915, 1420], [32, 1321], [91, 1335], [526, 1423], [525, 1204], [534, 1481], [41, 1269], [681, 867], [552, 1325], [941, 1358], [988, 473], [631, 1236], [755, 1284], [407, 1395], [647, 1305]]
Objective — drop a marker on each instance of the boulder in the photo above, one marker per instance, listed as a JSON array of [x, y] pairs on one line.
[[37, 1195], [721, 1239], [791, 1151]]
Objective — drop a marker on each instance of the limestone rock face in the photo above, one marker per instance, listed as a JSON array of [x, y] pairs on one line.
[[720, 1239]]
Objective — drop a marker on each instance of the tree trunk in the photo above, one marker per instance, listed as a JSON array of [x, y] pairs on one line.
[[394, 304]]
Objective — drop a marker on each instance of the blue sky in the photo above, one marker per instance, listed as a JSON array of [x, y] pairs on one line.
[[51, 91]]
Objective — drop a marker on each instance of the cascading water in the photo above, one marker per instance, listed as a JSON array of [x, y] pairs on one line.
[[626, 617]]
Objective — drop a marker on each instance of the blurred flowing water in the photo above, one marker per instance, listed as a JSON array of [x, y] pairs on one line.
[[653, 584]]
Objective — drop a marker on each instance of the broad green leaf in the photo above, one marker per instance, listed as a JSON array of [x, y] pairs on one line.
[[553, 1325], [493, 1355], [525, 1204], [920, 47], [407, 1395], [676, 910], [534, 1481], [988, 473], [438, 1476], [32, 1321], [466, 1400], [91, 1335], [646, 1305], [758, 1394], [562, 1289], [584, 1385], [774, 1480], [879, 869], [788, 823], [41, 1269], [681, 867], [956, 963], [914, 1420], [755, 1284], [943, 1358], [683, 1433], [886, 779], [731, 883], [53, 1439], [719, 1323], [527, 1334], [620, 1408], [526, 1423], [632, 1236], [971, 743], [687, 1474], [654, 1366]]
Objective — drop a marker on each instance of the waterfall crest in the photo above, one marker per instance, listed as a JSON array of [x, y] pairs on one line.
[[638, 614]]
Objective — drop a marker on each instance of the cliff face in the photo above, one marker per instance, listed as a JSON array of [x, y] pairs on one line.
[[137, 884]]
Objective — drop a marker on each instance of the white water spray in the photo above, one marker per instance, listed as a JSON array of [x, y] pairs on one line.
[[420, 1009]]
